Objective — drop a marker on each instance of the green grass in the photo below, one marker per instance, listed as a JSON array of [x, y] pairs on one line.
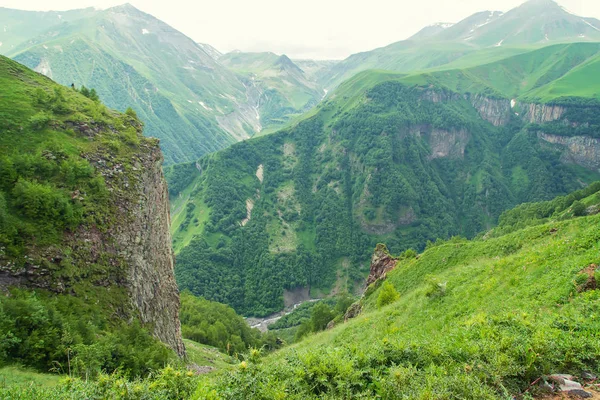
[[203, 355], [16, 376], [510, 313]]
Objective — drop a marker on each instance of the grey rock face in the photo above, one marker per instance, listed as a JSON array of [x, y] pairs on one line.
[[495, 111], [580, 150], [151, 279]]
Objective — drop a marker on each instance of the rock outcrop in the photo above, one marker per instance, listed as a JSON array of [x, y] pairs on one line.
[[580, 150], [495, 111], [450, 144], [540, 113], [147, 245], [381, 263]]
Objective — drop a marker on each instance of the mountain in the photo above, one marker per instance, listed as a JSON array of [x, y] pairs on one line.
[[489, 318], [285, 89], [86, 265], [536, 23], [19, 26], [388, 157], [185, 98], [533, 23]]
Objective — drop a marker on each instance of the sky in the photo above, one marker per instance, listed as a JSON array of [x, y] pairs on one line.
[[318, 29]]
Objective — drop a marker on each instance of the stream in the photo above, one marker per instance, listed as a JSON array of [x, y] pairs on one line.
[[262, 324]]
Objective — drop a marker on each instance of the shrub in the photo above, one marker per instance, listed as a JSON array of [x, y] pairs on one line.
[[40, 120], [435, 287], [387, 295], [578, 209]]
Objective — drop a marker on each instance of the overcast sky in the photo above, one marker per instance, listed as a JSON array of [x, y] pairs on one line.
[[323, 29]]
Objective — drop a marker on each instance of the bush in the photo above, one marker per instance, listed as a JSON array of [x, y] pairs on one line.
[[40, 120], [387, 295], [435, 288], [578, 209]]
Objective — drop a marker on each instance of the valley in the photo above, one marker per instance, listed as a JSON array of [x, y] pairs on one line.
[[416, 221]]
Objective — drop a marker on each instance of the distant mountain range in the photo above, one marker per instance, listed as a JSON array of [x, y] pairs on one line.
[[484, 36], [179, 88], [198, 100]]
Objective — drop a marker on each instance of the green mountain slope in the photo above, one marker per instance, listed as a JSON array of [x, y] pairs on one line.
[[534, 24], [480, 319], [394, 158], [285, 90], [542, 75], [185, 97]]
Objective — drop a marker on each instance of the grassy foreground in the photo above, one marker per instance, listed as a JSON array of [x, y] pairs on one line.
[[480, 319], [475, 319]]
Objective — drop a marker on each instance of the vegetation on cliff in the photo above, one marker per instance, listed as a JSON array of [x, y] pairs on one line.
[[66, 162]]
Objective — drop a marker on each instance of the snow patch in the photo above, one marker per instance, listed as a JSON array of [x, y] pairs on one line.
[[45, 47], [0, 44], [499, 43], [4, 28], [590, 25], [547, 38], [487, 21], [204, 105], [59, 16], [145, 31], [581, 35], [189, 101], [513, 103]]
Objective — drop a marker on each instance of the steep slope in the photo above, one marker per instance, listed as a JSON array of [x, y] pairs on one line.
[[388, 157], [534, 24], [85, 254], [483, 319], [186, 98], [285, 90]]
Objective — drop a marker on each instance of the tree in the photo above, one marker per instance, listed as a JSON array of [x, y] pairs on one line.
[[93, 95], [320, 317], [578, 208]]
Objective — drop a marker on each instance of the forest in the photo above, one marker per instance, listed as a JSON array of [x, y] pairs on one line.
[[398, 168]]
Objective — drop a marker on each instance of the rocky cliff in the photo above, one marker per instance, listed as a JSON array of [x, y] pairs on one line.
[[540, 113], [146, 244], [580, 150], [495, 111], [127, 250]]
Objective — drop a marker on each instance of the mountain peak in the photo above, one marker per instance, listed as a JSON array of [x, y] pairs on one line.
[[126, 8], [285, 63]]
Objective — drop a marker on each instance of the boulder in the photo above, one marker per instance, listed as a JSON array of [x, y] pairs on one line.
[[381, 263]]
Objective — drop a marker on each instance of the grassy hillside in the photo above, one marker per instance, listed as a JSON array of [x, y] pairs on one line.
[[540, 76], [475, 319], [384, 159]]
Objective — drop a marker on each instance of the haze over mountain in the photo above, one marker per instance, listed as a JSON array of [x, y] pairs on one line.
[[535, 23], [185, 96]]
